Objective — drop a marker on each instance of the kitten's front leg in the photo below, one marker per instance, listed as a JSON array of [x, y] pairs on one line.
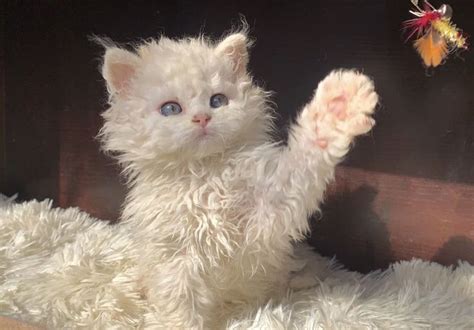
[[340, 110], [181, 297]]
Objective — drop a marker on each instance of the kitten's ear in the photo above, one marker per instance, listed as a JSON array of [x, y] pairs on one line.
[[118, 69], [235, 46]]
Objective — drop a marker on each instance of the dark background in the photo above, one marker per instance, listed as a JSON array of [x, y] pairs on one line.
[[406, 190]]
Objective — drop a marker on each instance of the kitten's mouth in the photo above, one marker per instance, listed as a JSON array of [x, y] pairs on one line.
[[203, 133]]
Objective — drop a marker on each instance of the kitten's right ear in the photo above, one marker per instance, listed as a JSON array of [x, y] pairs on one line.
[[118, 70]]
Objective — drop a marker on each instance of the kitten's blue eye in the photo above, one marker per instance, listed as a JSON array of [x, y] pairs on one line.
[[218, 100], [170, 108]]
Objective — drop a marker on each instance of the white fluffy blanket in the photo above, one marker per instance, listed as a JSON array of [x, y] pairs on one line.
[[61, 268]]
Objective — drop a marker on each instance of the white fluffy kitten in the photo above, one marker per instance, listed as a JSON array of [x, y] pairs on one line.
[[215, 204]]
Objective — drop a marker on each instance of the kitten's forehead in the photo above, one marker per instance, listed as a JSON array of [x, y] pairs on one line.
[[196, 58]]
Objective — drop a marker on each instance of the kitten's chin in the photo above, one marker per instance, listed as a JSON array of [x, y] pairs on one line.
[[202, 146]]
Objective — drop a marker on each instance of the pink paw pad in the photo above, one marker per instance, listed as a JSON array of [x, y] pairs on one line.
[[338, 106]]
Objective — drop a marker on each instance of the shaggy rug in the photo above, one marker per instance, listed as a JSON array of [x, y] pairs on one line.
[[61, 268]]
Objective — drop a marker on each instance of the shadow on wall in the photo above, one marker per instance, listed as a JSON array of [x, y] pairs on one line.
[[455, 249], [351, 231]]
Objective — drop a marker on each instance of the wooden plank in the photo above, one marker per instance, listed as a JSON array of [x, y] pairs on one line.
[[87, 178], [12, 324], [370, 219], [31, 100], [2, 99]]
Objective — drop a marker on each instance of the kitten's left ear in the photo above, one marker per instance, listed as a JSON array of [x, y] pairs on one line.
[[235, 47], [118, 69]]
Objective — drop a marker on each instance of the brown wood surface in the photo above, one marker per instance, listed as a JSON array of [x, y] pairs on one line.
[[31, 101], [405, 189], [370, 219], [2, 96], [12, 324], [88, 178]]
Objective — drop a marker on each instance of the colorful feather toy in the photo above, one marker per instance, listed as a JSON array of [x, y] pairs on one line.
[[436, 35]]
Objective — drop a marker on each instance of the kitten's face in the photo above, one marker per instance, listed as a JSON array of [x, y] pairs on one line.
[[181, 99]]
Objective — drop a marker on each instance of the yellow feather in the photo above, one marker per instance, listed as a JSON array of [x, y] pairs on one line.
[[432, 52], [450, 32]]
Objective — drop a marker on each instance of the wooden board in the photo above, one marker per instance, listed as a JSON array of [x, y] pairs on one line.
[[12, 324], [370, 219], [87, 178], [2, 99]]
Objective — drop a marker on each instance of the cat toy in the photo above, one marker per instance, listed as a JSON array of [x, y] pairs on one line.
[[436, 35]]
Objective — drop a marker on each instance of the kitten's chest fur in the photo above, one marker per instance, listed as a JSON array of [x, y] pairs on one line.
[[204, 211]]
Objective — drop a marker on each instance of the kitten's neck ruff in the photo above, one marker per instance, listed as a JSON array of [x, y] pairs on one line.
[[170, 202], [173, 168]]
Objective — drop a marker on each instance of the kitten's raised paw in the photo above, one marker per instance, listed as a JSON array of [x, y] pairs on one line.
[[342, 108]]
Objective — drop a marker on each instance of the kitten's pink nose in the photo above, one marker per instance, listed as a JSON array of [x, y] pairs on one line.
[[202, 119]]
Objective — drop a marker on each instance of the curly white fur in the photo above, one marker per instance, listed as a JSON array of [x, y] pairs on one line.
[[62, 269], [217, 213], [212, 213]]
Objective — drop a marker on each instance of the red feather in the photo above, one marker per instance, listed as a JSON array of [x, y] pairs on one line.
[[419, 25]]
